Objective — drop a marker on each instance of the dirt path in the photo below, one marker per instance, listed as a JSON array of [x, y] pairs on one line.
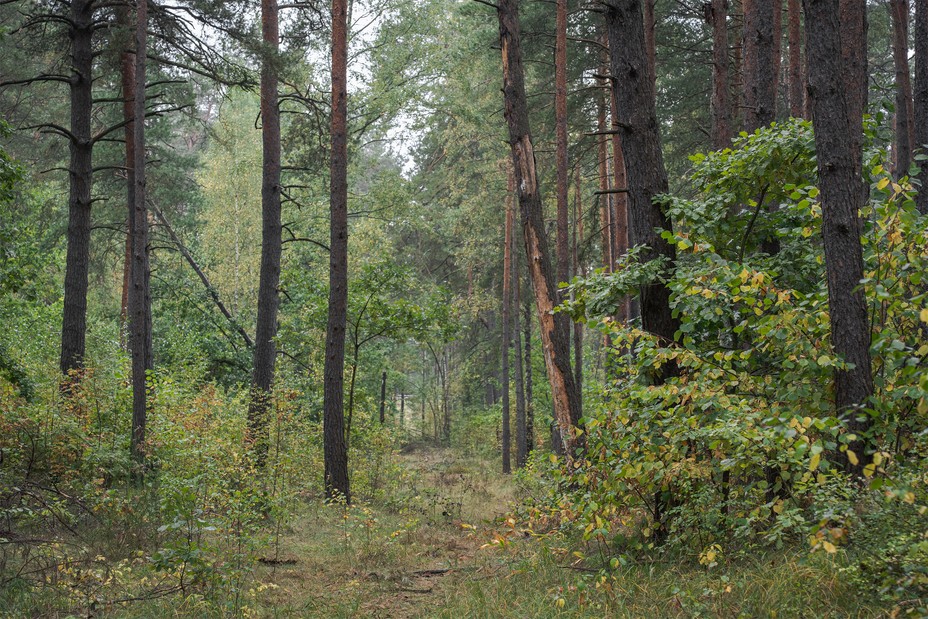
[[397, 557]]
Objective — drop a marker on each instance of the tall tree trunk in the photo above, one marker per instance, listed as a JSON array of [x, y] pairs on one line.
[[553, 336], [560, 123], [794, 28], [507, 300], [521, 430], [760, 78], [383, 397], [921, 97], [619, 203], [605, 206], [139, 293], [262, 379], [899, 10], [650, 46], [80, 176], [578, 239], [127, 75], [647, 178], [853, 20], [529, 399], [336, 451], [721, 106], [836, 139], [738, 85]]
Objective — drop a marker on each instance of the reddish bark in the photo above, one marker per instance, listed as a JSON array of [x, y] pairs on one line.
[[564, 394]]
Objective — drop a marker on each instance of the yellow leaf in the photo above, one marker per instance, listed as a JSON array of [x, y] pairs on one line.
[[814, 462], [852, 457], [883, 183], [829, 547], [924, 315]]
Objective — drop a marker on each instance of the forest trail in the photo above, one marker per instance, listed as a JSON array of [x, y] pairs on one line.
[[399, 559]]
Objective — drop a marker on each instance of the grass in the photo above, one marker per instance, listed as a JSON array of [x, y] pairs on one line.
[[436, 544]]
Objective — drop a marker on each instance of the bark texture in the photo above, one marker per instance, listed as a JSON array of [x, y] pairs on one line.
[[795, 75], [921, 97], [647, 177], [564, 394], [904, 138], [80, 179], [265, 355], [521, 428], [837, 145], [335, 448], [140, 291], [760, 75], [717, 16], [507, 324]]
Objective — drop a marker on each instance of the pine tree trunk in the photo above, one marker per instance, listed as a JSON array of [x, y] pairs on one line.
[[853, 20], [921, 97], [619, 203], [796, 90], [507, 300], [521, 429], [265, 353], [605, 207], [647, 178], [127, 75], [529, 399], [760, 78], [139, 293], [578, 239], [650, 46], [721, 106], [554, 338], [335, 448], [904, 138], [836, 139], [77, 265], [560, 125]]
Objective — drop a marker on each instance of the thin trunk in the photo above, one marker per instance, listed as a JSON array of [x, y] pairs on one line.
[[140, 291], [383, 398], [760, 78], [796, 90], [578, 239], [921, 97], [605, 219], [529, 401], [521, 434], [904, 139], [507, 300], [553, 336], [262, 379], [721, 107], [127, 73], [836, 139], [560, 123], [80, 176], [777, 52], [213, 293], [336, 451]]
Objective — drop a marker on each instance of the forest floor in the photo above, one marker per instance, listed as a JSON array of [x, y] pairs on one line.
[[404, 559], [445, 548]]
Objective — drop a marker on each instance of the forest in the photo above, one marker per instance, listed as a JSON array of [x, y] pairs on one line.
[[463, 308]]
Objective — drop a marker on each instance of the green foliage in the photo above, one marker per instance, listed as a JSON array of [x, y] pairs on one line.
[[735, 451]]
